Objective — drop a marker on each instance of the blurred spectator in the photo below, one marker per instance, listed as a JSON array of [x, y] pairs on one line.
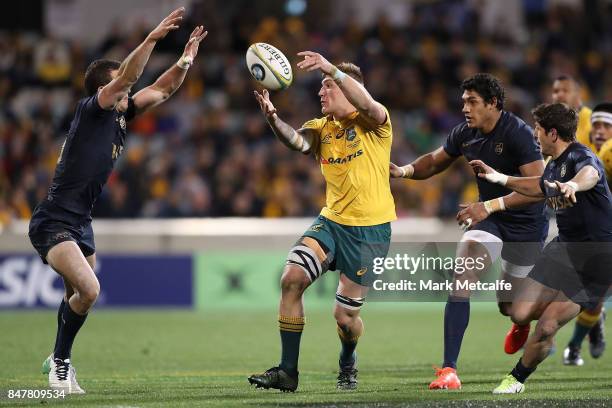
[[208, 151]]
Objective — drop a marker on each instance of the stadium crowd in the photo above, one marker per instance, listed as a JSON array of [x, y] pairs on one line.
[[208, 151]]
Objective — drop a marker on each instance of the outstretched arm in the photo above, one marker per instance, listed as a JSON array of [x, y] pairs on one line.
[[171, 80], [473, 213], [131, 68], [584, 180], [300, 140], [529, 186], [356, 93], [424, 167]]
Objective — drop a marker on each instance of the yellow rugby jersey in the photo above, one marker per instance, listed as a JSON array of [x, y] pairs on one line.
[[354, 159], [583, 133]]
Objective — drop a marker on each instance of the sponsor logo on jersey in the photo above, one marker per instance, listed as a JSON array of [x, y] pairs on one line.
[[342, 160], [117, 150], [559, 203], [316, 227], [326, 139], [499, 148], [362, 271]]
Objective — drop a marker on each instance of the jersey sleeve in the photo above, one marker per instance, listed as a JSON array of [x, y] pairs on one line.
[[452, 146], [584, 159], [315, 125], [91, 106], [524, 146]]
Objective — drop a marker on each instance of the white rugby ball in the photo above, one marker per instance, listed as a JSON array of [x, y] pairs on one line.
[[269, 66]]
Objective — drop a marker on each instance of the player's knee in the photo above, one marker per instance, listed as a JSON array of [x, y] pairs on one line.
[[345, 318], [505, 308], [89, 293], [293, 280], [520, 315], [547, 328]]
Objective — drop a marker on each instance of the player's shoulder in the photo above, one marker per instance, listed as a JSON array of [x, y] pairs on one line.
[[578, 151], [316, 123], [462, 129], [514, 123]]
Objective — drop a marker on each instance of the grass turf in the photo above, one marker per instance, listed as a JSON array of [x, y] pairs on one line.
[[181, 358]]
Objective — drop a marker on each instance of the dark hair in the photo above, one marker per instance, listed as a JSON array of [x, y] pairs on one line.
[[557, 116], [603, 107], [98, 74], [566, 77], [487, 86], [351, 70]]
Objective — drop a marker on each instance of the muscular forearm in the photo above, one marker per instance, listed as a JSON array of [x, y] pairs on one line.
[[516, 200], [424, 167], [288, 135], [529, 186], [358, 96], [170, 81], [131, 68]]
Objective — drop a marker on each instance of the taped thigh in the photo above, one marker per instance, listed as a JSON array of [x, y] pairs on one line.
[[310, 256], [349, 302]]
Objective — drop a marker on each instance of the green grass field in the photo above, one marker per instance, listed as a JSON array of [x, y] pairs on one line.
[[178, 358]]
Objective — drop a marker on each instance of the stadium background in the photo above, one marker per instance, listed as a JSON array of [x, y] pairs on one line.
[[207, 152]]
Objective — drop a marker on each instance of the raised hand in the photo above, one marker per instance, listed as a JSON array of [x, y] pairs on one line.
[[471, 214], [567, 189], [313, 61], [265, 104], [191, 48], [168, 24], [488, 173]]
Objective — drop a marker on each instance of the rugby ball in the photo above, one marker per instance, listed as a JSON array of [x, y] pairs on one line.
[[269, 66]]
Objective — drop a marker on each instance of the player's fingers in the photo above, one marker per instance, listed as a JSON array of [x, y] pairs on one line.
[[178, 11], [203, 36], [550, 185], [306, 53], [573, 197]]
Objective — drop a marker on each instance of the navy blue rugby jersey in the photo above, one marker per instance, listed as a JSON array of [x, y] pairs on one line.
[[508, 146], [590, 218], [95, 140]]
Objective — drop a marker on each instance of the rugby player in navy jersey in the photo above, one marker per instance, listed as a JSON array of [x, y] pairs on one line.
[[60, 228], [494, 135], [573, 272]]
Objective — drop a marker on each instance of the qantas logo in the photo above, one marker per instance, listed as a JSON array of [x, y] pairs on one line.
[[342, 160]]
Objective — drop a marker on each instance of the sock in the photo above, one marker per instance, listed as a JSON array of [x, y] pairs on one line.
[[584, 322], [60, 312], [520, 372], [456, 318], [291, 333], [72, 322], [347, 352]]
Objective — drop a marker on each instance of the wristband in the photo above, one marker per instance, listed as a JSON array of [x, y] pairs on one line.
[[184, 62], [408, 171], [494, 205], [497, 178], [337, 75]]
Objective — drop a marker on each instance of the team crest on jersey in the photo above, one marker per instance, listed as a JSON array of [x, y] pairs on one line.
[[499, 148], [563, 170], [121, 120], [351, 134]]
